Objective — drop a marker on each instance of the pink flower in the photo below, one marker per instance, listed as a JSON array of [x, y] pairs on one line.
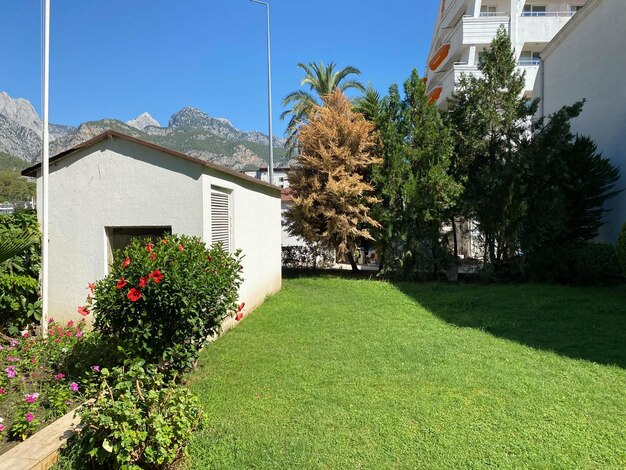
[[10, 372], [79, 334], [91, 286], [29, 417], [96, 368], [59, 376], [1, 427], [25, 334], [74, 387], [84, 311], [70, 323], [1, 391], [180, 248], [32, 398], [14, 343]]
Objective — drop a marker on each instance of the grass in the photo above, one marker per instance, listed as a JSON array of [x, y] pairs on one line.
[[339, 373]]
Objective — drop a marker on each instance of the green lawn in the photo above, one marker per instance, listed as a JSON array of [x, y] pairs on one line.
[[337, 373]]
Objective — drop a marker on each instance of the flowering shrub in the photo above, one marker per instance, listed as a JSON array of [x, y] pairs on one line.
[[138, 420], [34, 384], [162, 301]]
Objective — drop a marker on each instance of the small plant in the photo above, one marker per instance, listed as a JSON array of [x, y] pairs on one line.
[[138, 420], [161, 301]]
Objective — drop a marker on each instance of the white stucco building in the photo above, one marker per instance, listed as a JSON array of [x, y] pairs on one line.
[[465, 29], [587, 59], [114, 187]]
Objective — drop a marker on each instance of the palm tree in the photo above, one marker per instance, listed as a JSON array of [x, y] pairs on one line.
[[322, 80]]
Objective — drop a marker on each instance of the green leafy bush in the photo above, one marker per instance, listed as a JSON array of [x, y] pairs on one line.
[[19, 275], [621, 249], [138, 420], [161, 302], [583, 263]]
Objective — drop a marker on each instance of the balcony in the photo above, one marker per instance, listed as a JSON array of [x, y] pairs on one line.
[[531, 71], [541, 26], [447, 80]]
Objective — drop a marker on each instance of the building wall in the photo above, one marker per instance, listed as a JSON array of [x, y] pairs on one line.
[[120, 183], [286, 238], [589, 62]]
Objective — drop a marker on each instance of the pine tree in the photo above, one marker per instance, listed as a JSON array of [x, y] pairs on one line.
[[413, 182], [333, 198], [490, 118]]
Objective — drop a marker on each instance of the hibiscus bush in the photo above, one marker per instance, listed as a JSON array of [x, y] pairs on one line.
[[163, 299], [137, 420], [35, 385]]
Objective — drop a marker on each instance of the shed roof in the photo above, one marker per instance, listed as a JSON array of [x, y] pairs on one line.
[[32, 171]]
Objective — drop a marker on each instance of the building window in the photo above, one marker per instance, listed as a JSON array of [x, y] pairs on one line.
[[534, 10], [119, 238], [481, 57], [487, 11], [529, 58], [221, 219]]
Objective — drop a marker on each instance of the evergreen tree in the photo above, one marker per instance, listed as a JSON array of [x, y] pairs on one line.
[[413, 181], [490, 118], [333, 199]]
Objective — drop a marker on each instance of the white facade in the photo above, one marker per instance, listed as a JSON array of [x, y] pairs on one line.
[[116, 181], [587, 59], [465, 28]]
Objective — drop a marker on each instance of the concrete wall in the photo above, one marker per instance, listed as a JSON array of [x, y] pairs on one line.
[[119, 183], [588, 60]]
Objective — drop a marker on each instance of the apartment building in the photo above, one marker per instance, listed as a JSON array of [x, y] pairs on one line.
[[465, 28]]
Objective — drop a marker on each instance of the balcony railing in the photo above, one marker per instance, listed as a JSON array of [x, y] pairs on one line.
[[528, 61], [548, 13], [493, 13]]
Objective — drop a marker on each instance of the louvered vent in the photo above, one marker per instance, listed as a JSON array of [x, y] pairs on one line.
[[220, 219]]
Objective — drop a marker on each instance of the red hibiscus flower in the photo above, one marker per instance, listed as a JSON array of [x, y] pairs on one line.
[[241, 306], [209, 258], [152, 255], [126, 263], [84, 311], [164, 242], [134, 295], [121, 283], [180, 248], [143, 281], [149, 247], [91, 286], [156, 276], [239, 316]]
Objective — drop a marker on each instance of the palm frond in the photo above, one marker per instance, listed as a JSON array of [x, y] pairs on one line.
[[15, 246]]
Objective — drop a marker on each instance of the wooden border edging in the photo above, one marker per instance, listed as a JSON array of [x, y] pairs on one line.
[[41, 450]]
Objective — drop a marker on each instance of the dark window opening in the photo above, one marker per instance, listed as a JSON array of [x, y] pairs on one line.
[[120, 237]]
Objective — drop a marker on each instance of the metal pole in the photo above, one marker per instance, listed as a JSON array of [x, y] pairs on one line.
[[269, 92], [45, 171]]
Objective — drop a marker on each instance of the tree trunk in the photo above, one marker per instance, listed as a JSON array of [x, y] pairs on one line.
[[351, 259], [456, 242], [381, 263]]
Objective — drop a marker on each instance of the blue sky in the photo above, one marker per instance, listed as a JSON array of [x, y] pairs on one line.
[[118, 58]]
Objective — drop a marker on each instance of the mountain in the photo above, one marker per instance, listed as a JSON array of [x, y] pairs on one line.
[[142, 121], [189, 130]]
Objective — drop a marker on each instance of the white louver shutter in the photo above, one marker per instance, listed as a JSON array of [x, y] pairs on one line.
[[220, 219]]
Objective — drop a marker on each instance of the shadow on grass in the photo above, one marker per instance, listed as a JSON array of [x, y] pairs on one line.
[[580, 323], [289, 273]]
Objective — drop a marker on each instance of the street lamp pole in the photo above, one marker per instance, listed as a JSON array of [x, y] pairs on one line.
[[269, 92], [45, 170]]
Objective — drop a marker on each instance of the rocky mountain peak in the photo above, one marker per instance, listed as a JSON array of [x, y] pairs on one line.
[[142, 121], [19, 111], [191, 117]]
